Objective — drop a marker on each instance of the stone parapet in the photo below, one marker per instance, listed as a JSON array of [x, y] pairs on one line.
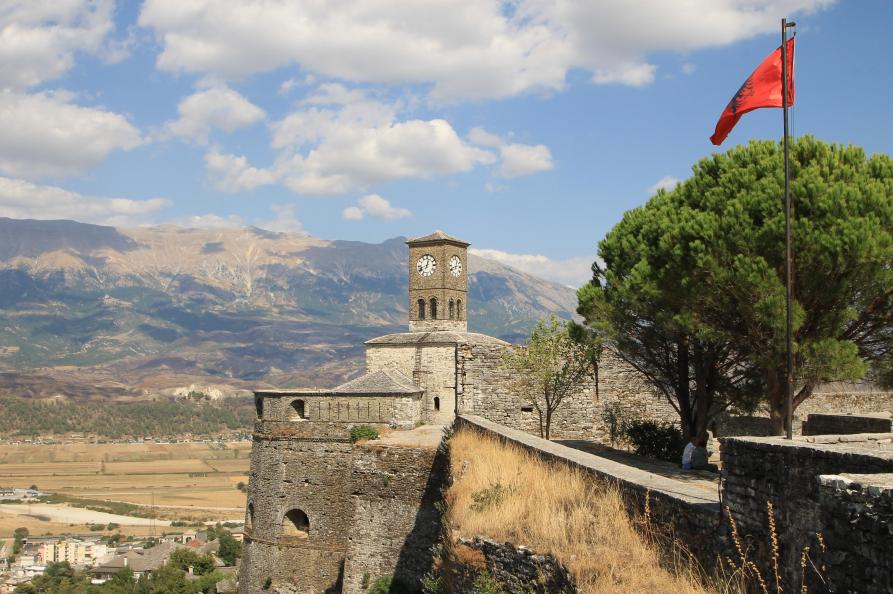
[[787, 474]]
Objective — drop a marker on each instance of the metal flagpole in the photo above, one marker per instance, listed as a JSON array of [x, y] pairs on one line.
[[789, 275]]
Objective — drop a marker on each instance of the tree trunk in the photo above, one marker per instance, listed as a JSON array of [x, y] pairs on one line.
[[683, 391], [548, 421]]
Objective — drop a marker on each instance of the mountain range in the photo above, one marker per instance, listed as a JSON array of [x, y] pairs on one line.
[[89, 311]]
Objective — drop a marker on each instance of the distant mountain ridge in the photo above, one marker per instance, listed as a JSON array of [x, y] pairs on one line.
[[88, 309]]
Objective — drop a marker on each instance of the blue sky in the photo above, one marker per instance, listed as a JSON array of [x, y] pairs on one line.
[[524, 127]]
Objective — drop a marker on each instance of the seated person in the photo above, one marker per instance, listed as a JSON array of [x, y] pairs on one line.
[[700, 455], [687, 452]]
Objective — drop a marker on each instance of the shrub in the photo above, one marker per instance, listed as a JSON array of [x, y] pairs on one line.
[[486, 584], [381, 586], [362, 432], [656, 440], [387, 585], [267, 583], [491, 496]]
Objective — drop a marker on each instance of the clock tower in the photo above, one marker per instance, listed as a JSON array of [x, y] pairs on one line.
[[438, 283]]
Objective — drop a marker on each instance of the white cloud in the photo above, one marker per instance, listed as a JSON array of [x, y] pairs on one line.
[[634, 75], [573, 272], [688, 68], [353, 213], [481, 137], [209, 221], [45, 134], [39, 38], [284, 221], [524, 159], [341, 141], [232, 173], [667, 182], [516, 159], [215, 107], [376, 207], [20, 199], [479, 49]]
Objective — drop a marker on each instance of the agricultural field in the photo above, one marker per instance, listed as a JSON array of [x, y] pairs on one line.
[[185, 482]]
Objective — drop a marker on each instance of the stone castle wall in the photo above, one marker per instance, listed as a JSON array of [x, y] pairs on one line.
[[300, 474], [394, 492], [858, 510], [487, 389], [370, 508], [401, 411], [433, 367], [789, 474]]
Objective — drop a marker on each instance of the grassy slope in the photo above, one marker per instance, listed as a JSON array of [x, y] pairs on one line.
[[509, 496]]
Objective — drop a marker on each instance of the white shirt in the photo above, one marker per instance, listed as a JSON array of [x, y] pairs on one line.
[[686, 453]]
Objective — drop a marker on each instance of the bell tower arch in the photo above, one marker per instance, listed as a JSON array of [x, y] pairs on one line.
[[438, 283]]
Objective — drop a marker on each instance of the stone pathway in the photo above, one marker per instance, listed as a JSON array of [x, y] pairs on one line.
[[706, 481]]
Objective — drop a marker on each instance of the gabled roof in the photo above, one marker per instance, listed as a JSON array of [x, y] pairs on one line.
[[383, 381], [438, 236]]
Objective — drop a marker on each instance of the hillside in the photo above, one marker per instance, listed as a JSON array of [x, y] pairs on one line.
[[91, 311]]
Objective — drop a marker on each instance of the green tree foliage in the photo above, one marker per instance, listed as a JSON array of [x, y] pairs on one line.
[[229, 549], [694, 280], [18, 536], [117, 420], [186, 558], [551, 367]]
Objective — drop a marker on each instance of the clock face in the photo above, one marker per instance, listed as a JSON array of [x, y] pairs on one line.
[[426, 265], [455, 265]]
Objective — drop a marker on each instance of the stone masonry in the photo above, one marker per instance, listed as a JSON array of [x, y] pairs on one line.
[[809, 507]]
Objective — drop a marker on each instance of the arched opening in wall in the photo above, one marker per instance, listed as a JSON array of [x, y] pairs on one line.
[[437, 403], [433, 304], [458, 309], [295, 523], [298, 405], [421, 309], [452, 309], [249, 520], [259, 406]]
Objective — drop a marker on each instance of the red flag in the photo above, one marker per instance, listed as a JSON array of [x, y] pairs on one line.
[[761, 89]]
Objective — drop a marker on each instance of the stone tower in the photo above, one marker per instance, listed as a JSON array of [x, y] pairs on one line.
[[438, 283]]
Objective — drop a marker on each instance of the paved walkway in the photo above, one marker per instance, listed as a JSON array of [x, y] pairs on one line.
[[706, 481]]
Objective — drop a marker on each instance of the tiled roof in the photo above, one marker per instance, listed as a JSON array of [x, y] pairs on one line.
[[383, 381], [444, 337], [437, 236]]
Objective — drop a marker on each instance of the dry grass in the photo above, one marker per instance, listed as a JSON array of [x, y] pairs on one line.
[[506, 494]]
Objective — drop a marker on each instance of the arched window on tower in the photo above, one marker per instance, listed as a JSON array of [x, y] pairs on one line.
[[437, 403], [295, 523], [298, 405], [249, 521], [433, 305], [452, 309], [259, 406], [458, 309], [421, 309]]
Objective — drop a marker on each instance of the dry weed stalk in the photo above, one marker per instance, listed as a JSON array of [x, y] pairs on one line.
[[773, 540]]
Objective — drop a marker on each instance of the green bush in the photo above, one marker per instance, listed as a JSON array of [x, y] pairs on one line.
[[387, 585], [382, 585], [486, 584], [655, 440], [359, 432]]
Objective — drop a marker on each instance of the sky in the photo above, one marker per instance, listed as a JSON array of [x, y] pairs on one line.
[[526, 127]]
